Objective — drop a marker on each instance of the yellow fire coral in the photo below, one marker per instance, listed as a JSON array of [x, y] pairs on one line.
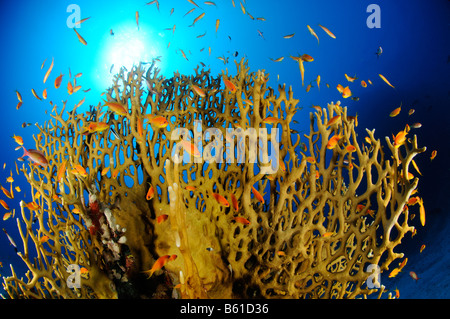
[[305, 222]]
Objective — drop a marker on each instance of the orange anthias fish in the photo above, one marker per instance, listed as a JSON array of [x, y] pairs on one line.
[[332, 142], [258, 196], [433, 155], [150, 193], [160, 262], [414, 275], [230, 86], [271, 120], [3, 203], [80, 38], [161, 218], [58, 81], [242, 220], [422, 212], [396, 111], [18, 139], [137, 19], [313, 33], [79, 170], [7, 193], [334, 120], [48, 71], [220, 199], [157, 121], [385, 80], [234, 202], [198, 90], [328, 31], [191, 148], [116, 108], [61, 171], [400, 138], [35, 156]]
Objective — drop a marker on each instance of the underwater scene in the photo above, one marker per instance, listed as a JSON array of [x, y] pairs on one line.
[[228, 149]]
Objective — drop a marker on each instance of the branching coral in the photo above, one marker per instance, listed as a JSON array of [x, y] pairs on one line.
[[327, 213]]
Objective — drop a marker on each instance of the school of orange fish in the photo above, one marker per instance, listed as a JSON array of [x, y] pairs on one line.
[[38, 158]]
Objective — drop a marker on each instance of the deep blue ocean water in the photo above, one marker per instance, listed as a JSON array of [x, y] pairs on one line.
[[414, 36]]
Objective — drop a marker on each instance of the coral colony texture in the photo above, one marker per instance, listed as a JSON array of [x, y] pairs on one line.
[[140, 214]]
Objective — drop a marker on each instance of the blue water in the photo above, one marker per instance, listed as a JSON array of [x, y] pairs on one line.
[[414, 36]]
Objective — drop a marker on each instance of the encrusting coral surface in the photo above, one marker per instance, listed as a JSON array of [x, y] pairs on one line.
[[116, 196]]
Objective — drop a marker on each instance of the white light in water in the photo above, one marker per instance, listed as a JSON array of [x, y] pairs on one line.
[[126, 48]]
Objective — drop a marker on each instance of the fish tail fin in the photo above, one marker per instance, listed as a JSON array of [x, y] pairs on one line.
[[25, 152]]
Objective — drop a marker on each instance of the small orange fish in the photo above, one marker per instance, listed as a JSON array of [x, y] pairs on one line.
[[115, 173], [198, 18], [48, 71], [281, 253], [397, 293], [307, 58], [190, 148], [35, 94], [413, 275], [313, 33], [220, 199], [44, 239], [69, 88], [350, 148], [18, 139], [198, 90], [350, 79], [190, 188], [416, 125], [105, 171], [396, 111], [230, 86], [162, 218], [44, 94], [6, 216], [4, 204], [157, 121], [32, 206], [79, 170], [271, 120], [328, 31], [258, 196], [19, 96], [80, 38], [363, 84], [332, 142], [334, 120], [385, 80], [140, 127], [61, 171], [394, 272], [328, 234], [400, 138], [234, 202], [422, 212], [433, 155], [150, 193], [116, 107], [422, 248], [137, 19], [58, 81], [160, 262], [411, 112], [241, 220]]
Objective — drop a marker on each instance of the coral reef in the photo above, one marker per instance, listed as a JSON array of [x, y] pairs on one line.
[[328, 210]]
